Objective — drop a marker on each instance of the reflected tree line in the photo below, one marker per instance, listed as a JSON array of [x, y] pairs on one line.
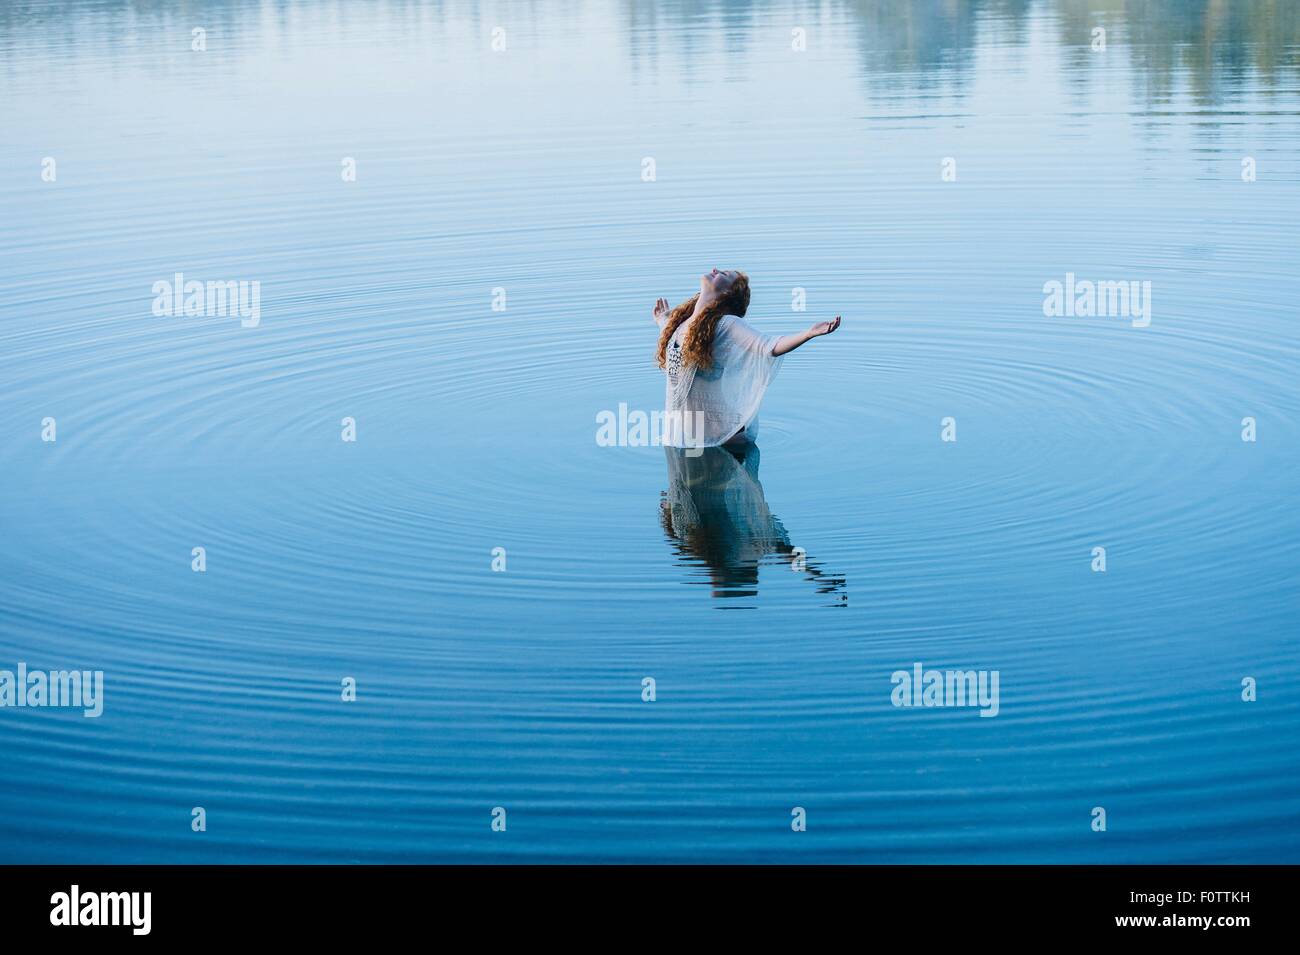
[[1207, 46]]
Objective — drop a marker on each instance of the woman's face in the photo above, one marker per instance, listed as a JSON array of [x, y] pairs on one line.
[[718, 281]]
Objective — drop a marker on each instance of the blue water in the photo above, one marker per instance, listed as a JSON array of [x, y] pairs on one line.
[[522, 169]]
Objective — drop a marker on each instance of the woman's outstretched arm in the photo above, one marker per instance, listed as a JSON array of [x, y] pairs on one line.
[[788, 343]]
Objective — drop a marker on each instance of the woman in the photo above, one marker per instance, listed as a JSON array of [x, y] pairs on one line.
[[718, 366]]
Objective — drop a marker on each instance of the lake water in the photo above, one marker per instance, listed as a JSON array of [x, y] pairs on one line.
[[518, 177]]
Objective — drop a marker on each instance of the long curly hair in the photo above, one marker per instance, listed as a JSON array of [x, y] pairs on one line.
[[697, 348]]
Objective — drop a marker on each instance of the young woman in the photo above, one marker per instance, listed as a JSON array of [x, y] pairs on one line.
[[718, 366]]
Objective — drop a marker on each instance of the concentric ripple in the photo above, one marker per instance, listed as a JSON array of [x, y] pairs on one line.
[[480, 295]]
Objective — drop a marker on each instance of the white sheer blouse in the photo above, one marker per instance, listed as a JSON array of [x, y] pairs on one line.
[[704, 407]]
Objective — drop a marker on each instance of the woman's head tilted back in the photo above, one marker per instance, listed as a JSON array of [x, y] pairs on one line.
[[721, 293]]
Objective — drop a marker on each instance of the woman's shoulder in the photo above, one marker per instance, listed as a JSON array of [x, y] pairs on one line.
[[739, 334], [737, 327]]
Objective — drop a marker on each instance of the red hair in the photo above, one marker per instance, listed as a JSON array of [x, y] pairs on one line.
[[697, 347]]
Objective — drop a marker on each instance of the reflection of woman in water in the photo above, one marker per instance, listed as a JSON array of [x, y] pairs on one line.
[[718, 366], [715, 512]]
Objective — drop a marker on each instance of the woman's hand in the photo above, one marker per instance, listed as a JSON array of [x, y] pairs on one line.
[[824, 328], [661, 311], [788, 343]]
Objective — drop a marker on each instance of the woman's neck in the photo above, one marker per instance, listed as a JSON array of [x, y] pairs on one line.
[[702, 303]]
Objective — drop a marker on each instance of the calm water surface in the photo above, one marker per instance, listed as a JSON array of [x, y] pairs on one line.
[[522, 169]]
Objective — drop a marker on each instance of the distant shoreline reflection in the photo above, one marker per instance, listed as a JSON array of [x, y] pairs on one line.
[[716, 516]]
